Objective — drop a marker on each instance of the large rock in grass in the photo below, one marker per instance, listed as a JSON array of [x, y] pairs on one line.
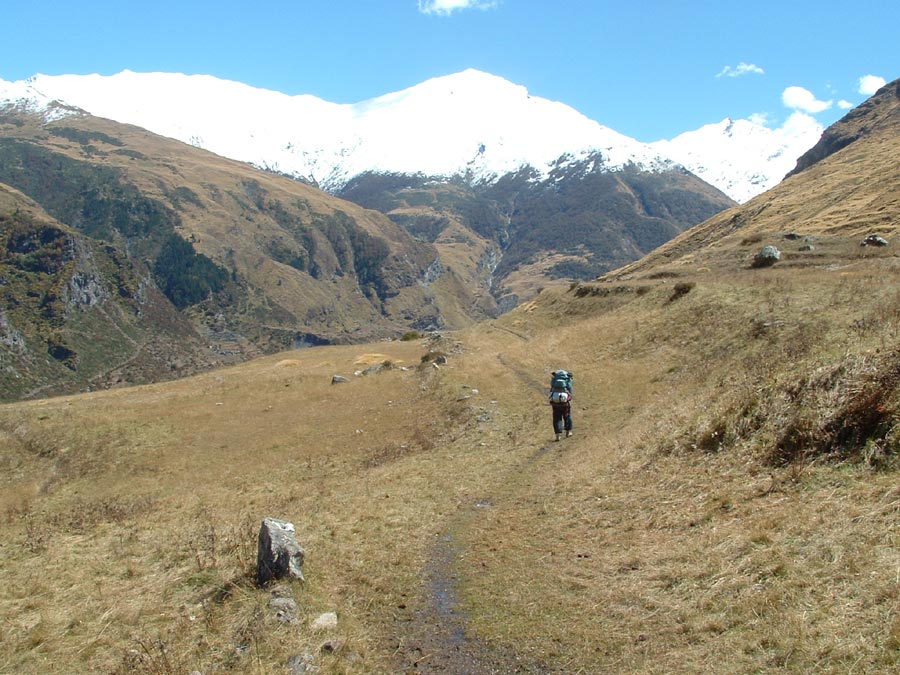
[[279, 555], [768, 256]]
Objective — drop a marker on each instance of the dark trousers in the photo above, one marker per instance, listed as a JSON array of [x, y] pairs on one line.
[[562, 417]]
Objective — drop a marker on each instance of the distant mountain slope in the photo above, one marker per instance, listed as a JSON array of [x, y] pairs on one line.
[[245, 261], [77, 312], [524, 232], [470, 124]]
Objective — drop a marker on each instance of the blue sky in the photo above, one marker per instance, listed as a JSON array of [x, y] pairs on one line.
[[648, 69]]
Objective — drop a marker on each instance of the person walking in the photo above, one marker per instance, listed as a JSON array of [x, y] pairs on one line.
[[561, 401]]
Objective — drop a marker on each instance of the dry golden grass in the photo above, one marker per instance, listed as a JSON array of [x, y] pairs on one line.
[[728, 503], [663, 537], [637, 548]]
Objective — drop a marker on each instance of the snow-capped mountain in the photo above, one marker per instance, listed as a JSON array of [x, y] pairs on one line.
[[740, 157], [470, 123], [23, 96]]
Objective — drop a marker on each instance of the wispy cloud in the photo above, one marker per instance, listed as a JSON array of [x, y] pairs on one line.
[[447, 7], [804, 100], [844, 105], [741, 69], [869, 84]]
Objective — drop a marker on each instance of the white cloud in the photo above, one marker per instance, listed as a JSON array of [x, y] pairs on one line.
[[741, 69], [869, 84], [802, 99], [844, 105], [800, 125], [447, 7]]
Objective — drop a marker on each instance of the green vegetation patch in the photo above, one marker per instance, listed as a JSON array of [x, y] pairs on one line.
[[85, 137], [185, 276]]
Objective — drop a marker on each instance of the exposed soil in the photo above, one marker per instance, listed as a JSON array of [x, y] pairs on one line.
[[437, 639]]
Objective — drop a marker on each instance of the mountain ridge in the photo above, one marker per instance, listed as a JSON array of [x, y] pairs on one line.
[[470, 124]]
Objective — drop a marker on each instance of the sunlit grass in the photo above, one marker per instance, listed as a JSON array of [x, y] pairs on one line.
[[662, 537]]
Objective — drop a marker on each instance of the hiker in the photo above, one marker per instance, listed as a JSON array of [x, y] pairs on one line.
[[561, 401]]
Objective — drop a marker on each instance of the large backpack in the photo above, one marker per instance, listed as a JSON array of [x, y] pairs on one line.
[[560, 396], [561, 380], [561, 386]]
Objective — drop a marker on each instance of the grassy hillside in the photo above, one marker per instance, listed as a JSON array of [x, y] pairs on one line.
[[251, 262], [727, 504]]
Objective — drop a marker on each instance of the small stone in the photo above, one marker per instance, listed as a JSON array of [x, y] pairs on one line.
[[338, 379], [331, 647], [286, 609], [325, 622], [874, 240], [300, 664]]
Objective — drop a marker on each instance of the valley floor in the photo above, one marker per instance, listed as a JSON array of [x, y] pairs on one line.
[[444, 526]]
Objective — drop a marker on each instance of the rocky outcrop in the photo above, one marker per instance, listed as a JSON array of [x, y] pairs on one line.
[[768, 256]]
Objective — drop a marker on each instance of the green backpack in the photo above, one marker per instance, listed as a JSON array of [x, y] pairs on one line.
[[561, 380]]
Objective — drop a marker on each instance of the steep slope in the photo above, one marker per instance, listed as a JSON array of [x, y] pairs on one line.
[[523, 232], [845, 189], [76, 312], [258, 262], [865, 120]]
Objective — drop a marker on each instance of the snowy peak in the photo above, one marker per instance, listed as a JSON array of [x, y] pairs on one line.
[[24, 97], [470, 123], [742, 157]]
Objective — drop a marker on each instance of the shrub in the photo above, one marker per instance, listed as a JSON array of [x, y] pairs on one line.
[[682, 288]]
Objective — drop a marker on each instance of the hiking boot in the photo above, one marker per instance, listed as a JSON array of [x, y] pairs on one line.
[[568, 433], [558, 436]]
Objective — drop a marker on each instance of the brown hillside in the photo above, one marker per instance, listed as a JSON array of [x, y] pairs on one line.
[[287, 263]]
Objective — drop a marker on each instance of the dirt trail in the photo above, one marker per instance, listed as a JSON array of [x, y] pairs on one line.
[[437, 639]]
